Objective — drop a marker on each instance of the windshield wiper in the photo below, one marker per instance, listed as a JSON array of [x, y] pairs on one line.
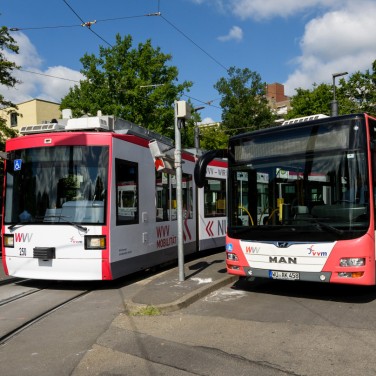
[[11, 227], [322, 225], [74, 224]]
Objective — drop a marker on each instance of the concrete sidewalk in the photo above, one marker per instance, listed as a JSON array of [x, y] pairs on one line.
[[166, 293], [122, 351]]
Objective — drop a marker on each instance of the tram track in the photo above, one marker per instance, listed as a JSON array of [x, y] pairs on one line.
[[29, 305]]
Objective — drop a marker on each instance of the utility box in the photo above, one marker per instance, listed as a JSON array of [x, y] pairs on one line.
[[183, 110]]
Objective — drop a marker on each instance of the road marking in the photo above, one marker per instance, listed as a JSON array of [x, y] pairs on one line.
[[225, 295]]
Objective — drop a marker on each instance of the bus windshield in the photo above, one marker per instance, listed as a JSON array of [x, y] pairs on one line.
[[299, 180], [63, 184]]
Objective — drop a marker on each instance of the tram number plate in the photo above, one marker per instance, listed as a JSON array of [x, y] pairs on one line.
[[291, 276]]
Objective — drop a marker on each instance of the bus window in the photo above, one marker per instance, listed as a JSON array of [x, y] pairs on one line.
[[126, 192]]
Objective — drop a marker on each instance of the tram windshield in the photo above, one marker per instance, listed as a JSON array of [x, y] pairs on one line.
[[62, 184], [300, 181]]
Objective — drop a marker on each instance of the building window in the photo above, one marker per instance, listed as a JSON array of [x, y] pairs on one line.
[[13, 119]]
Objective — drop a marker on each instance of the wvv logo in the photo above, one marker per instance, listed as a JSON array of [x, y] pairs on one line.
[[23, 238]]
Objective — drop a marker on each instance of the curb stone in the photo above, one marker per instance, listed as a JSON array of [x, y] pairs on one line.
[[183, 302]]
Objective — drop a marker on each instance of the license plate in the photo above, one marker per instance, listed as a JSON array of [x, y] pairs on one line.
[[291, 276]]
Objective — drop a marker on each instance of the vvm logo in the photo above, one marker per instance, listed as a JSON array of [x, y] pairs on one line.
[[316, 253]]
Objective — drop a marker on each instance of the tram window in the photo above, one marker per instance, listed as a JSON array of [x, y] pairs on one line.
[[215, 198], [127, 211], [162, 199], [187, 193]]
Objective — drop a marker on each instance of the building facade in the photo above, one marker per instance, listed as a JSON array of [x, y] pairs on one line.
[[34, 111], [277, 100]]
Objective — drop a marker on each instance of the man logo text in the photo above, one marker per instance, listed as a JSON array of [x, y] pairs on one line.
[[283, 260]]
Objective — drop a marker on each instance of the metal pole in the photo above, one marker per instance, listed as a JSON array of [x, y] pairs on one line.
[[334, 104], [334, 108], [179, 196]]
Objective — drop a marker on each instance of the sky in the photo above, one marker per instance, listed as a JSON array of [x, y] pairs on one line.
[[293, 42]]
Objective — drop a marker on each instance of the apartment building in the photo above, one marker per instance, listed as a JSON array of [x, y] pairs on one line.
[[277, 100], [34, 111]]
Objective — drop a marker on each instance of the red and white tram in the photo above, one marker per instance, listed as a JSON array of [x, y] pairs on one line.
[[83, 201]]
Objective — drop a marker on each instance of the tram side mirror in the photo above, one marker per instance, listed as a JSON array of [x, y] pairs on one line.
[[200, 166], [163, 157]]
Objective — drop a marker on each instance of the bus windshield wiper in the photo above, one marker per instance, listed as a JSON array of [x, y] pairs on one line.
[[322, 225], [74, 224]]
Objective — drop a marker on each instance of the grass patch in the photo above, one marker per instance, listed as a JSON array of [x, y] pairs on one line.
[[146, 311]]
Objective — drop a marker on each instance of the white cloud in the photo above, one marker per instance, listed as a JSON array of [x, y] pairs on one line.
[[38, 84], [235, 33], [266, 9], [56, 88], [27, 56], [340, 40], [207, 120], [339, 35]]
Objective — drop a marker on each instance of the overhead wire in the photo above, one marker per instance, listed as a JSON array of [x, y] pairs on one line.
[[192, 41], [208, 103], [81, 24], [88, 25], [47, 75]]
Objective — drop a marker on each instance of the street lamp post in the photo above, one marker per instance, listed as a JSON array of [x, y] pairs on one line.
[[334, 104]]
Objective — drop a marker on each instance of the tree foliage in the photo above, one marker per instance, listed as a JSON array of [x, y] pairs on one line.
[[244, 105], [6, 66], [213, 137], [308, 102], [356, 93], [135, 84], [7, 80]]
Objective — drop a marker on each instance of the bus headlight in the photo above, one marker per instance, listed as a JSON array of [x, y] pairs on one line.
[[232, 256], [95, 241], [8, 240], [352, 261]]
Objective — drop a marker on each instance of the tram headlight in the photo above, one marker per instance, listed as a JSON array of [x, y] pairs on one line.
[[95, 241], [352, 261], [8, 240]]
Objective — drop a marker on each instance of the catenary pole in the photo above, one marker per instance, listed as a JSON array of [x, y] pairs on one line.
[[179, 196]]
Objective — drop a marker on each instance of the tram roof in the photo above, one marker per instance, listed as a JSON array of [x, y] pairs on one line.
[[100, 123]]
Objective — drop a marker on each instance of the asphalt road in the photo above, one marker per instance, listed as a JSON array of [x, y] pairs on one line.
[[263, 328]]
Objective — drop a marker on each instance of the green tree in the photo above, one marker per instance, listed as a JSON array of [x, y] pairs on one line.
[[244, 104], [311, 101], [213, 137], [7, 80], [135, 84], [356, 93]]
